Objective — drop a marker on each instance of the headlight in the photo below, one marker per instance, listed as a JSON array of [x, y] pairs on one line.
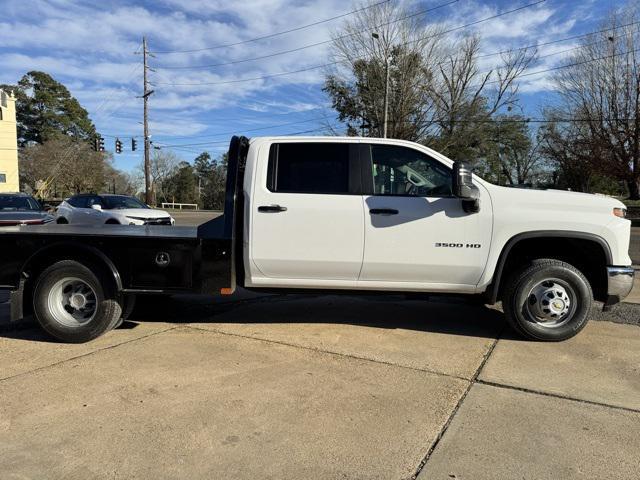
[[620, 212], [135, 221]]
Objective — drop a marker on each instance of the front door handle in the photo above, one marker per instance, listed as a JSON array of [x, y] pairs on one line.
[[383, 211], [272, 208]]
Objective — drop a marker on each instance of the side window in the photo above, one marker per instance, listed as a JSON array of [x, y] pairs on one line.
[[309, 168], [94, 200], [78, 202], [404, 171], [3, 178]]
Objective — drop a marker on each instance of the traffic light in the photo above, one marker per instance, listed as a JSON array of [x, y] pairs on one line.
[[98, 143], [118, 146], [134, 145]]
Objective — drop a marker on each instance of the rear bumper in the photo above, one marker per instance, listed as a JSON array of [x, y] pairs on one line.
[[619, 284]]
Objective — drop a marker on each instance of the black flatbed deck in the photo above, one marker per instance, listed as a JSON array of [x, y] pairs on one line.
[[154, 231]]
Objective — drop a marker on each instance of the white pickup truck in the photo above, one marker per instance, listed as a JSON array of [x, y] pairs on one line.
[[340, 214]]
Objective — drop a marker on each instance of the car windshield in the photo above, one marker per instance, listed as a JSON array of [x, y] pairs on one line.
[[15, 202], [117, 202]]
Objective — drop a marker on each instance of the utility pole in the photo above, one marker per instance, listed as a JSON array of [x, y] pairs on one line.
[[147, 145]]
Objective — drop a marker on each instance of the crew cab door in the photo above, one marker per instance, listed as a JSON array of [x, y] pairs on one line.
[[415, 230], [307, 215]]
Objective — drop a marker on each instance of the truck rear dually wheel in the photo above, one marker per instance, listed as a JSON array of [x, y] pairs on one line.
[[74, 304], [548, 300]]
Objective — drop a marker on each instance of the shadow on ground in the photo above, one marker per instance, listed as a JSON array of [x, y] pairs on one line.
[[447, 316]]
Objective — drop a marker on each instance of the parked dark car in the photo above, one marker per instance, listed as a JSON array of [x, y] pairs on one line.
[[22, 209]]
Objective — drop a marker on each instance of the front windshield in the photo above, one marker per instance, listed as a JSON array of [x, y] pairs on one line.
[[15, 203], [117, 202]]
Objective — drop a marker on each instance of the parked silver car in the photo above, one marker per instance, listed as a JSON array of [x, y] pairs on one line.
[[90, 209]]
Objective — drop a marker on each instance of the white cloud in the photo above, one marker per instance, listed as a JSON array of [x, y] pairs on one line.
[[89, 47]]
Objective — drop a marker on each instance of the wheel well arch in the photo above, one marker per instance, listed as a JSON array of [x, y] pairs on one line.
[[588, 252], [112, 221], [69, 250]]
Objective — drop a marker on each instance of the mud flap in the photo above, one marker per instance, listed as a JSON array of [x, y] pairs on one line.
[[16, 301]]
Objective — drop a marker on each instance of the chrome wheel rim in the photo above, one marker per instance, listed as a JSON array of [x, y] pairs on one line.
[[72, 302], [551, 303]]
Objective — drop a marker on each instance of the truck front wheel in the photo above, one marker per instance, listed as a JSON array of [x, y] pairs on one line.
[[549, 300], [74, 304]]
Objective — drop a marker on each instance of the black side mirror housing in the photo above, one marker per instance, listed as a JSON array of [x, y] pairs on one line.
[[463, 187]]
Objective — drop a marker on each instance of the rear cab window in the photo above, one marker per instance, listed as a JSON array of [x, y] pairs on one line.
[[312, 168]]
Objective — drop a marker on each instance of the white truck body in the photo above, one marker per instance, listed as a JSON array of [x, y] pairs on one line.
[[331, 241]]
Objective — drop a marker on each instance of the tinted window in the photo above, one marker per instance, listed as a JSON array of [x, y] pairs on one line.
[[309, 168], [404, 171], [121, 201], [10, 202], [78, 202], [94, 200], [3, 178]]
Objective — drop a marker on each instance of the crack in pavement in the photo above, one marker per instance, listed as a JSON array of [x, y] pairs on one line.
[[89, 353], [444, 428], [328, 352]]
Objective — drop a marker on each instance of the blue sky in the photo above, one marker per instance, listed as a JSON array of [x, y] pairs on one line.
[[89, 46]]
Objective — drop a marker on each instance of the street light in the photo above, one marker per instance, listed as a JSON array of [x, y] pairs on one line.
[[386, 87]]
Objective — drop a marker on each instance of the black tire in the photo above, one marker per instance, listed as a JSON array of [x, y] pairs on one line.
[[62, 221], [56, 319], [112, 221], [519, 302]]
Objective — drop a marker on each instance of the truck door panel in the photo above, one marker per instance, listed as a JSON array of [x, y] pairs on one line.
[[306, 223], [415, 230]]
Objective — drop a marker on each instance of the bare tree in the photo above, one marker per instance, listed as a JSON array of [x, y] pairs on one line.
[[375, 42], [437, 93], [62, 166], [600, 89], [163, 165], [466, 98]]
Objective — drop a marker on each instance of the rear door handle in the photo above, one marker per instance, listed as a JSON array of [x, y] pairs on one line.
[[272, 208], [383, 211]]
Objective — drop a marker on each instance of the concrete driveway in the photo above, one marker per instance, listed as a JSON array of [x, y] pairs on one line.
[[319, 387]]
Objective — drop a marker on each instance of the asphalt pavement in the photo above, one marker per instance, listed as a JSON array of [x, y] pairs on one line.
[[191, 218]]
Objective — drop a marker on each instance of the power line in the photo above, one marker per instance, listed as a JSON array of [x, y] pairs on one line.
[[537, 72], [315, 67], [324, 42], [256, 129], [272, 35], [551, 42], [264, 77], [485, 120], [227, 141]]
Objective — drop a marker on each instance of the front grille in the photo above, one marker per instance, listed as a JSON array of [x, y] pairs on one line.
[[158, 221]]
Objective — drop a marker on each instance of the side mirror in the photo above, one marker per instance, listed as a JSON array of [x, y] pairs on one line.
[[463, 187], [97, 206]]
